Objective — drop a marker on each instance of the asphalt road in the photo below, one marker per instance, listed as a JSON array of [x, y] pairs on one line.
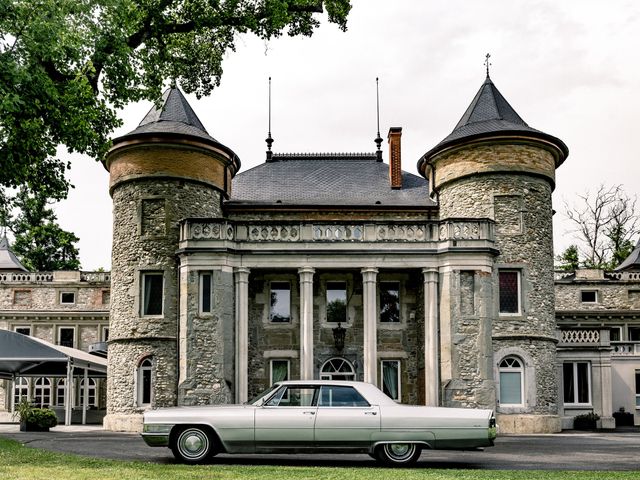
[[567, 451]]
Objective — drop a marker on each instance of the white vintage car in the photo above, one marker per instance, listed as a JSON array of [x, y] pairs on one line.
[[318, 416]]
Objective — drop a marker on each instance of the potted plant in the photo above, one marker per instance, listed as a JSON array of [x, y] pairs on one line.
[[586, 421], [34, 419]]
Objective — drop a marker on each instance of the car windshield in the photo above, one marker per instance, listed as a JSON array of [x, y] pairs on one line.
[[256, 400]]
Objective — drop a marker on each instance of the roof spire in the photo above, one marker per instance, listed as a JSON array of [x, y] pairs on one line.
[[487, 63], [378, 139], [269, 140]]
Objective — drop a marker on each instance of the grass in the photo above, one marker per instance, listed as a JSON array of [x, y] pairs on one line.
[[20, 462]]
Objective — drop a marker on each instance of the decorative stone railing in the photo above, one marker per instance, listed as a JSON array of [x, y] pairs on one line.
[[615, 276], [27, 277], [446, 230], [623, 276], [46, 277], [580, 336], [95, 276], [625, 348]]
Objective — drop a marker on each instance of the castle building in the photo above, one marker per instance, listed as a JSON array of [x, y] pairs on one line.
[[438, 288]]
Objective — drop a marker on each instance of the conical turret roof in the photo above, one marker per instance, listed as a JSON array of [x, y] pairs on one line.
[[173, 115], [8, 261], [489, 115], [632, 262]]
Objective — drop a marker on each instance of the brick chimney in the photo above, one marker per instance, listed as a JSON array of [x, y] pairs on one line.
[[395, 163]]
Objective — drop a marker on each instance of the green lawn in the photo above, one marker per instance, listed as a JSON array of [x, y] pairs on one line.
[[19, 462]]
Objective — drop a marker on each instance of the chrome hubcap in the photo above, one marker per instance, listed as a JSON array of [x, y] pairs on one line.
[[193, 443], [399, 451]]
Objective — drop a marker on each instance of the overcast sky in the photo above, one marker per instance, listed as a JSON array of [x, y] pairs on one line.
[[570, 68]]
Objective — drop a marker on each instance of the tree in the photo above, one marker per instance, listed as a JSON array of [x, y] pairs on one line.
[[67, 65], [39, 241], [568, 260], [605, 224]]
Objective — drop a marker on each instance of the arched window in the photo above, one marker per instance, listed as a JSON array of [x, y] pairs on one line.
[[144, 383], [511, 381], [337, 369], [92, 393], [42, 392], [20, 390], [61, 387]]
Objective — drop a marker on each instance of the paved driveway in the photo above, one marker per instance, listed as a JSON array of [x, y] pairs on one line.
[[568, 451]]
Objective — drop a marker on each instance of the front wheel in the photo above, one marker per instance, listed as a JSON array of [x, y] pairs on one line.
[[193, 445], [398, 454]]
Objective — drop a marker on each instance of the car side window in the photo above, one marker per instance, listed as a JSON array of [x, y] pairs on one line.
[[339, 396], [293, 396]]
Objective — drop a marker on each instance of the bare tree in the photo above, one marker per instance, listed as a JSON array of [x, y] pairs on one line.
[[605, 225]]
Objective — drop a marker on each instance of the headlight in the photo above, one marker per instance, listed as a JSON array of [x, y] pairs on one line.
[[156, 428]]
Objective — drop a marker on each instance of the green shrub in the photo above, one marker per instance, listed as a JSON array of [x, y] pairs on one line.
[[43, 417]]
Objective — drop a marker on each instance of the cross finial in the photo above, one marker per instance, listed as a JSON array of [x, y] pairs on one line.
[[487, 63]]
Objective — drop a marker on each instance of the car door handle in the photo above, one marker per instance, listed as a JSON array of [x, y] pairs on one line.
[[309, 413], [370, 413]]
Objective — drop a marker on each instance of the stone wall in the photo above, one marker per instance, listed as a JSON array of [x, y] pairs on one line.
[[145, 237], [521, 207], [207, 340], [611, 295]]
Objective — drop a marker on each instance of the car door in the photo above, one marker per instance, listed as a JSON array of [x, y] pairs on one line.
[[286, 421], [344, 418]]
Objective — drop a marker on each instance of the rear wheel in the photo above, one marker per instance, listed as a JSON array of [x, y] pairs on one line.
[[398, 454], [193, 445]]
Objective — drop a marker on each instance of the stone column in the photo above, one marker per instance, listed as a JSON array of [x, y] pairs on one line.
[[431, 374], [242, 332], [370, 313], [306, 322]]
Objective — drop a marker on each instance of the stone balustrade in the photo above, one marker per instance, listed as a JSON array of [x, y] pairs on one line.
[[278, 231], [58, 276], [589, 336], [625, 348]]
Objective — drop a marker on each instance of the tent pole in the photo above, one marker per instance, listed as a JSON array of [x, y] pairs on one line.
[[67, 394], [86, 396]]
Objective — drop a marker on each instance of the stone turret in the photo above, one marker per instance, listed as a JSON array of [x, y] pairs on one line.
[[494, 165], [167, 169]]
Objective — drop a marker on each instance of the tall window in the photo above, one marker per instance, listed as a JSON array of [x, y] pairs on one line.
[[66, 336], [509, 282], [637, 388], [20, 390], [206, 292], [61, 388], [390, 302], [280, 302], [576, 382], [144, 382], [511, 381], [42, 392], [337, 369], [336, 302], [279, 371], [152, 286], [92, 393], [390, 378], [615, 334]]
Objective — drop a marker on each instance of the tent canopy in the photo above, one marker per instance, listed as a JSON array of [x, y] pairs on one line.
[[25, 356]]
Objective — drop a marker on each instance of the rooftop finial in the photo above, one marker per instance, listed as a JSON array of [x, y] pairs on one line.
[[378, 139], [487, 63], [269, 140]]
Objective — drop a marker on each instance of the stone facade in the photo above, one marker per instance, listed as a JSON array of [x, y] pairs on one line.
[[294, 271], [61, 307], [598, 319]]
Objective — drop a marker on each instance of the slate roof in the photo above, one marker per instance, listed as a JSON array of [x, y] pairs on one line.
[[632, 262], [489, 114], [8, 261], [174, 116], [327, 180]]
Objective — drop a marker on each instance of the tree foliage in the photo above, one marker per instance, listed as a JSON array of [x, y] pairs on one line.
[[40, 243], [569, 260], [606, 223], [67, 65]]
